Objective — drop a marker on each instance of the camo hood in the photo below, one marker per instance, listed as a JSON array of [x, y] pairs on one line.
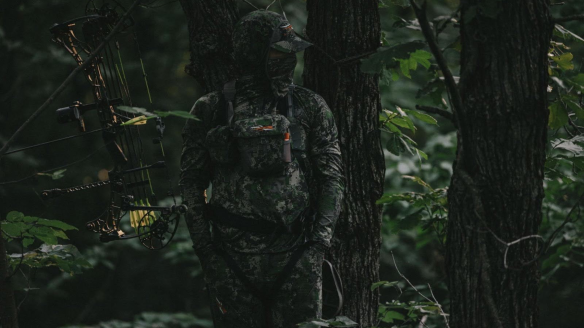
[[253, 37]]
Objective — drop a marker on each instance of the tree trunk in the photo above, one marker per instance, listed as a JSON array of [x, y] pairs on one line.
[[496, 190], [347, 28], [211, 25], [9, 84], [8, 315]]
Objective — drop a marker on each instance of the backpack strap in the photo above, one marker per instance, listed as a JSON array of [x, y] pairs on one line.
[[290, 112], [229, 94]]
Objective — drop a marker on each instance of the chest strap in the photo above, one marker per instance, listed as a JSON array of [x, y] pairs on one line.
[[220, 215]]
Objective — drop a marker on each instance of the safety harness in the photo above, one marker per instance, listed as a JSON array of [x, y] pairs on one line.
[[219, 215]]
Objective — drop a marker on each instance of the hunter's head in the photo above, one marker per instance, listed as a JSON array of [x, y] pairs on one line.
[[264, 44]]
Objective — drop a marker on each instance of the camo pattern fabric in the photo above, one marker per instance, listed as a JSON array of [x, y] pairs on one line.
[[233, 306], [281, 198], [260, 141]]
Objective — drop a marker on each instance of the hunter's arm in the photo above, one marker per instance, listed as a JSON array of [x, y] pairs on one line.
[[325, 157], [195, 175]]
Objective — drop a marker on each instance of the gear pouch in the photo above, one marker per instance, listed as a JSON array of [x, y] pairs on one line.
[[221, 145], [261, 144]]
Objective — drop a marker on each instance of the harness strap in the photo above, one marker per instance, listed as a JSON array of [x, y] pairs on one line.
[[265, 298], [229, 94], [291, 100], [221, 215]]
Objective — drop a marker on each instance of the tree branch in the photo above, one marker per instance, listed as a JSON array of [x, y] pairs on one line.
[[68, 80], [434, 110], [568, 19], [429, 36]]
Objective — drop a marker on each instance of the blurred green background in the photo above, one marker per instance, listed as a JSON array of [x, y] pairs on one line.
[[130, 286]]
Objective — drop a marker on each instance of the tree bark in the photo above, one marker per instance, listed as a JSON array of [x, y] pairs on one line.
[[496, 190], [210, 26], [8, 92], [343, 29]]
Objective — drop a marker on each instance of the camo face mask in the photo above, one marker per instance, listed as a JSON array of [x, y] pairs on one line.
[[281, 72]]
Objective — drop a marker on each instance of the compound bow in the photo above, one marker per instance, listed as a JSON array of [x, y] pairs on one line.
[[132, 193]]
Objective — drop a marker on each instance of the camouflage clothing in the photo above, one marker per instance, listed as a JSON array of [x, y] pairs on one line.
[[233, 306], [313, 179]]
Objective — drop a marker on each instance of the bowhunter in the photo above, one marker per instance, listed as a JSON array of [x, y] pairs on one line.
[[271, 152]]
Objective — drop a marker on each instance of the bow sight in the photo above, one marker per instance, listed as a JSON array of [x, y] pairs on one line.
[[132, 194]]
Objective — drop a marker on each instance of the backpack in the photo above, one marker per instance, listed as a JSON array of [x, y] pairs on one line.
[[260, 145]]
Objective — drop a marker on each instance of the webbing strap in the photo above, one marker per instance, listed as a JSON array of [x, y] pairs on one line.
[[265, 298], [226, 218], [229, 94], [291, 100]]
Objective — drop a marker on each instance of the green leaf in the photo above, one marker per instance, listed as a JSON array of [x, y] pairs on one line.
[[341, 321], [45, 234], [404, 65], [139, 120], [390, 316], [421, 57], [14, 216], [558, 116], [54, 175], [401, 121], [395, 145], [421, 116], [386, 56], [434, 91], [577, 81], [568, 145], [178, 113], [135, 110], [27, 242], [383, 284], [60, 234], [573, 105], [56, 224], [564, 61], [401, 3], [410, 221], [13, 229], [422, 155], [419, 181], [393, 128], [563, 33]]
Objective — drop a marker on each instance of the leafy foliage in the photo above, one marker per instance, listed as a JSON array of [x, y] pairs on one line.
[[339, 321], [155, 320], [394, 122], [28, 229], [430, 210]]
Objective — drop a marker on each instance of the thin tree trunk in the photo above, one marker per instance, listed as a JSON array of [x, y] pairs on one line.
[[8, 92], [210, 24], [347, 28], [8, 315], [497, 187]]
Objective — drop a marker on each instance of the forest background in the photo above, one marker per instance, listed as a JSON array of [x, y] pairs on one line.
[[128, 285]]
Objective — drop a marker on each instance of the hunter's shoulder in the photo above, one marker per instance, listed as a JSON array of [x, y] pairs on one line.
[[206, 102], [204, 107], [309, 97]]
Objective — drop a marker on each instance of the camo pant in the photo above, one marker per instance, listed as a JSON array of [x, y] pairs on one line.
[[234, 306]]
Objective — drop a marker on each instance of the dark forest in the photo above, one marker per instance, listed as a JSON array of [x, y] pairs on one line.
[[460, 124]]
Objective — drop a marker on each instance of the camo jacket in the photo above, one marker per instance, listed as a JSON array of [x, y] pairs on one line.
[[278, 199]]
